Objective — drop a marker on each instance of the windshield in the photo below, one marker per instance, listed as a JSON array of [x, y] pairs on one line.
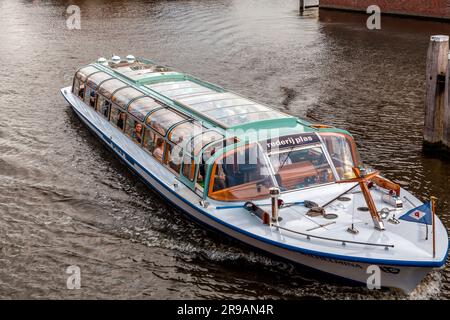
[[241, 174], [343, 153], [290, 162], [301, 168]]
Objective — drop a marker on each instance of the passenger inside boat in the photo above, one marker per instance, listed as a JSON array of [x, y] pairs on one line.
[[81, 91], [105, 108], [149, 143], [202, 166], [92, 98], [103, 105], [121, 120], [137, 133], [159, 150]]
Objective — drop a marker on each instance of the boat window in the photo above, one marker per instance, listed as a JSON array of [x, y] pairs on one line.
[[209, 151], [178, 138], [118, 117], [154, 143], [174, 157], [89, 96], [301, 168], [103, 106], [343, 153], [134, 129], [94, 80], [182, 132], [123, 96], [142, 106], [199, 141], [76, 87], [149, 140], [85, 72], [158, 151], [189, 167], [163, 119], [108, 87], [240, 174]]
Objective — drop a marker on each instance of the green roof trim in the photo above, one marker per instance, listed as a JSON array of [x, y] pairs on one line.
[[335, 130], [161, 78], [268, 124]]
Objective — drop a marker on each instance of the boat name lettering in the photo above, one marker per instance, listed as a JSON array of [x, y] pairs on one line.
[[292, 141]]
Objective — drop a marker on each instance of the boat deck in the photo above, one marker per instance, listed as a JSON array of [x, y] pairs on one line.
[[403, 243]]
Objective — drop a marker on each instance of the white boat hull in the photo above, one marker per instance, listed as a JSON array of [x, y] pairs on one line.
[[403, 277]]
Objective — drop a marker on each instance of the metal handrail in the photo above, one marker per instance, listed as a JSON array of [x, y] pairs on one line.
[[309, 236]]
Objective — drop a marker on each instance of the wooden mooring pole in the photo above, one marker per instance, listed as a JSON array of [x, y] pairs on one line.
[[446, 125], [302, 7], [437, 100]]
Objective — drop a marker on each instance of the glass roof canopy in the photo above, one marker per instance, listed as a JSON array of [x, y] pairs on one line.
[[195, 97], [225, 108]]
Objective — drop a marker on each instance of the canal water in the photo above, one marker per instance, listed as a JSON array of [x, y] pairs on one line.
[[66, 200]]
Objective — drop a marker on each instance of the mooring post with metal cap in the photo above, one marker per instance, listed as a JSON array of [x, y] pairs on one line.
[[274, 194], [437, 65]]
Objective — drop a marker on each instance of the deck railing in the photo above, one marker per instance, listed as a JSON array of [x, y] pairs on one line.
[[343, 242]]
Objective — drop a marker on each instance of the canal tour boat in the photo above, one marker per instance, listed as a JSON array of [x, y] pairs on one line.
[[288, 187]]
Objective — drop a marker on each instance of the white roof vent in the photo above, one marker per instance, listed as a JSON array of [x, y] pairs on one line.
[[102, 61], [115, 59], [130, 58]]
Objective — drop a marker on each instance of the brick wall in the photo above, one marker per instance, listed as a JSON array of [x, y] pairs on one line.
[[425, 8]]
